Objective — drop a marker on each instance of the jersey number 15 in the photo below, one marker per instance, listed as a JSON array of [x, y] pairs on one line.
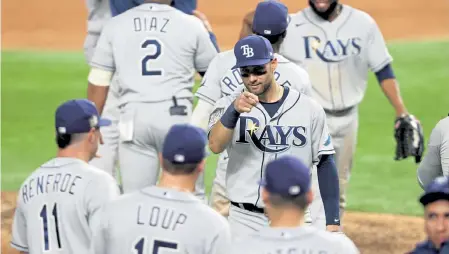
[[158, 245], [157, 53]]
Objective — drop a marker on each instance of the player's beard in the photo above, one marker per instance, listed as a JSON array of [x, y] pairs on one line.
[[326, 14], [262, 88]]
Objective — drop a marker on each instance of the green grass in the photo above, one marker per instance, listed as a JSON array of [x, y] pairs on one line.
[[33, 84]]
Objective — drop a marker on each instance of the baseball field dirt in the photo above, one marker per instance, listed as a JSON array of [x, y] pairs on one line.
[[49, 25]]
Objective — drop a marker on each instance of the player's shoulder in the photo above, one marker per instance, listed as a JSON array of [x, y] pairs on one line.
[[360, 16], [443, 126], [228, 99], [290, 66], [224, 59]]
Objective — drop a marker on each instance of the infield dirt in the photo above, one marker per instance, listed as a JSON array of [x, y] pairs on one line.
[[48, 25]]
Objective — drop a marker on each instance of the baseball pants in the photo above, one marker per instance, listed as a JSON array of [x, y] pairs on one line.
[[243, 222], [218, 195], [343, 128], [142, 128], [108, 151]]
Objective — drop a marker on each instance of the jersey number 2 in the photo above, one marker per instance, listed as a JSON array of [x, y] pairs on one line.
[[44, 217], [158, 50], [157, 245]]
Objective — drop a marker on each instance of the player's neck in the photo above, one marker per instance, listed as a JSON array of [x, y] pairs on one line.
[[73, 153], [285, 218], [273, 94], [184, 183]]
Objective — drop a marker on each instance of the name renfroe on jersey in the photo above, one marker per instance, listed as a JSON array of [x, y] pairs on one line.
[[58, 204], [221, 80]]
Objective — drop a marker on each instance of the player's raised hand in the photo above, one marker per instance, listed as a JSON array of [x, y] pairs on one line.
[[245, 102]]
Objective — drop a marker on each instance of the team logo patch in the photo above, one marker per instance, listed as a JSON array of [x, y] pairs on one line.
[[216, 114], [247, 51]]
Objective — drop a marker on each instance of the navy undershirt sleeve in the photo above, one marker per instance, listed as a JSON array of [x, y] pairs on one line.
[[329, 188], [385, 73]]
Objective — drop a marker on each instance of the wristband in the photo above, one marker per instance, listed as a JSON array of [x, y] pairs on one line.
[[230, 117]]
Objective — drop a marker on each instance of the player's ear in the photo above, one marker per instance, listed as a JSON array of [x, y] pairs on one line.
[[201, 166], [309, 197], [92, 136], [265, 196], [274, 64]]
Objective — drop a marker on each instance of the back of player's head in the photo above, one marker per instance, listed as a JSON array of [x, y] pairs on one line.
[[271, 20], [287, 181], [184, 148], [76, 117]]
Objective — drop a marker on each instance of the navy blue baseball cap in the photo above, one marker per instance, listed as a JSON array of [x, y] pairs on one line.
[[253, 50], [438, 189], [185, 144], [270, 18], [286, 177], [78, 116]]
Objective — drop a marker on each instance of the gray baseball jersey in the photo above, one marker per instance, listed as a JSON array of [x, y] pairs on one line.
[[298, 128], [98, 13], [436, 161], [221, 80], [294, 240], [153, 53], [160, 220], [57, 207], [337, 55]]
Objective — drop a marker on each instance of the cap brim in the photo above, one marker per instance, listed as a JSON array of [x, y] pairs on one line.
[[432, 197], [104, 122], [253, 62]]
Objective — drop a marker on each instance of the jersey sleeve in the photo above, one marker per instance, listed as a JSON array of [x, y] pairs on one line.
[[321, 139], [19, 238], [305, 85], [98, 193], [205, 49], [378, 55], [221, 242], [218, 111], [99, 243], [103, 57], [210, 89], [436, 161]]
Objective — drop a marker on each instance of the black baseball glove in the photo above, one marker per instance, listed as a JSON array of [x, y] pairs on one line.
[[408, 133]]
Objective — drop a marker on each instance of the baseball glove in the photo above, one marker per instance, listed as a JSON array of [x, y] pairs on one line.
[[408, 133]]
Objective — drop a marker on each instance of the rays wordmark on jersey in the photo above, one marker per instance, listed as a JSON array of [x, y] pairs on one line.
[[272, 138], [331, 51]]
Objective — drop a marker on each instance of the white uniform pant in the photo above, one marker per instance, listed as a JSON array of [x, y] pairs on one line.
[[243, 222], [343, 130]]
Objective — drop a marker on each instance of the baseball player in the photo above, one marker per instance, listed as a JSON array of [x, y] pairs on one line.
[[57, 205], [260, 122], [156, 75], [338, 45], [436, 162], [435, 201], [286, 192], [166, 218], [108, 151], [220, 80]]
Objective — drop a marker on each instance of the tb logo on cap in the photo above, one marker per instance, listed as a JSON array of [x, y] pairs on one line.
[[247, 51]]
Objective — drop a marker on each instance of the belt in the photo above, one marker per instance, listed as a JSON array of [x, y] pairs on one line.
[[339, 112], [248, 207]]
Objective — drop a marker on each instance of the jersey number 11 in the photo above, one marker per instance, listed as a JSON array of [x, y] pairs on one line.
[[45, 223]]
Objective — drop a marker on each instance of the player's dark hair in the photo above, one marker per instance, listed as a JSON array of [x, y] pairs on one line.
[[64, 140], [274, 39], [178, 169], [299, 202]]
